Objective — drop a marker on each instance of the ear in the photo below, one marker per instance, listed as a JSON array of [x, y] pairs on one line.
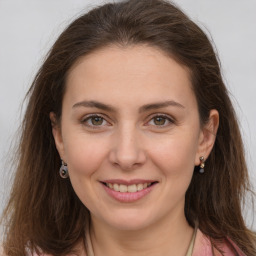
[[56, 132], [207, 136]]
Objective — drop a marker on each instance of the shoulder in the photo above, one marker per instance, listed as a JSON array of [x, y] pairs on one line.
[[203, 247]]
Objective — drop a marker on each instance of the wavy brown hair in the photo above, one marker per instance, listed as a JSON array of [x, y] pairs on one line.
[[44, 211]]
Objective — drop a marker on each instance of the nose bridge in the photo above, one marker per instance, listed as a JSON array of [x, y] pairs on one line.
[[127, 150]]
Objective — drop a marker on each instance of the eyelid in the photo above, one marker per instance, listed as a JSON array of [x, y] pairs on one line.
[[87, 117], [167, 117]]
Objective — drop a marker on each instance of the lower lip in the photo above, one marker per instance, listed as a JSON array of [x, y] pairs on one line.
[[127, 197]]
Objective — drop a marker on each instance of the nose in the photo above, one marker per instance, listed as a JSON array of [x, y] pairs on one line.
[[127, 150]]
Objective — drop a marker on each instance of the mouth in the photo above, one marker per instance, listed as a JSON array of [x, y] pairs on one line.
[[128, 191], [132, 188]]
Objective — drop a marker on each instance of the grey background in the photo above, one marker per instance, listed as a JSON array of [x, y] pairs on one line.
[[29, 27]]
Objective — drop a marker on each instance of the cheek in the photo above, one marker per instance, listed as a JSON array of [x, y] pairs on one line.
[[84, 154], [175, 156]]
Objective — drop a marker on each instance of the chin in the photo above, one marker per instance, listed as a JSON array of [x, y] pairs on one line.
[[130, 222]]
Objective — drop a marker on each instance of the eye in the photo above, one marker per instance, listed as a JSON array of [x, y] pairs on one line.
[[94, 121], [160, 120]]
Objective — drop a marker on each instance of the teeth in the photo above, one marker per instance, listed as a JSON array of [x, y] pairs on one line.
[[139, 187], [116, 187], [123, 188], [131, 188]]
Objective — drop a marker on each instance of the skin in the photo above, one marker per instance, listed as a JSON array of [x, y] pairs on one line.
[[130, 143]]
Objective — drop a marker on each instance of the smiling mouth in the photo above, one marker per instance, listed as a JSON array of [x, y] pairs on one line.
[[133, 188]]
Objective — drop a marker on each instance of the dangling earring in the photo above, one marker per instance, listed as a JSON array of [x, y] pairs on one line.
[[202, 164], [63, 170]]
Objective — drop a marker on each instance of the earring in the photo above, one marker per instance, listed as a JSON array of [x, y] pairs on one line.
[[63, 170], [202, 164]]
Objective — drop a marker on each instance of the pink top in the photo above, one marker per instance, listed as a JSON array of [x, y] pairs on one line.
[[203, 247]]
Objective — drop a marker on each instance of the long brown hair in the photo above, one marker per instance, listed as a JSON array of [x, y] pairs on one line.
[[44, 211]]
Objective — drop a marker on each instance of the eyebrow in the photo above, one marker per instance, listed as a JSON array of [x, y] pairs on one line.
[[94, 104], [147, 107], [158, 105]]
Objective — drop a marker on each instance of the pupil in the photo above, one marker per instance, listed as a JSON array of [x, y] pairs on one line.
[[159, 120], [97, 120]]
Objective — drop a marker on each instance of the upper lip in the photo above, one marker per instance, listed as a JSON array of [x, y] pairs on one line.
[[128, 182]]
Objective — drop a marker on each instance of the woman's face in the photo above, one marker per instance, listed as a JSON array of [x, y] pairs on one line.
[[130, 135]]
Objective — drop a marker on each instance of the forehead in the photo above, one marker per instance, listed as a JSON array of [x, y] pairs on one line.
[[136, 71]]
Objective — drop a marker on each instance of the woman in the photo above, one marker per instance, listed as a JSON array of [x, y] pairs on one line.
[[130, 143]]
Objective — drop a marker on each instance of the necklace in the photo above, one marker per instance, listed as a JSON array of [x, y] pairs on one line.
[[90, 252]]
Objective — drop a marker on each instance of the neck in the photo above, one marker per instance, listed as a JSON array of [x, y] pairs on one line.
[[169, 236]]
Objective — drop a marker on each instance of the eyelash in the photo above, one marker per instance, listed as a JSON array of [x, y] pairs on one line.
[[90, 117], [165, 117]]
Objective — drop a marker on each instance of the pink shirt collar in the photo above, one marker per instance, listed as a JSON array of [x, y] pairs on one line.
[[203, 247]]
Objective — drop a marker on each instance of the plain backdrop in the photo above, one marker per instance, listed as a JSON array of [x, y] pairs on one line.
[[28, 28]]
